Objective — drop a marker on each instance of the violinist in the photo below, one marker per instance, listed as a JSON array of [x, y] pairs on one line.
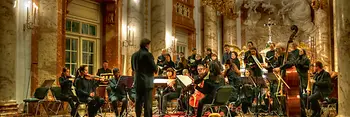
[[172, 91], [117, 92], [66, 90], [210, 86], [322, 87], [86, 87], [104, 69]]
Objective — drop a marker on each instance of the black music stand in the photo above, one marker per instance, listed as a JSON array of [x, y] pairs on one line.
[[126, 82], [260, 83], [187, 94]]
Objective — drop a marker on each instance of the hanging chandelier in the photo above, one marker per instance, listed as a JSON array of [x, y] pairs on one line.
[[225, 7]]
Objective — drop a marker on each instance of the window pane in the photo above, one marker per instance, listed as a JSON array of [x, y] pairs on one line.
[[91, 60], [92, 30], [85, 29], [74, 44], [85, 46], [67, 57], [73, 69], [75, 26], [91, 68], [85, 58], [74, 57], [68, 25], [91, 46], [67, 44]]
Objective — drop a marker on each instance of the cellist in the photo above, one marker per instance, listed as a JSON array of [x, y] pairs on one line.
[[297, 58]]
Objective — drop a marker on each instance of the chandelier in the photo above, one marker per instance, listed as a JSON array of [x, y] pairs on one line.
[[225, 7]]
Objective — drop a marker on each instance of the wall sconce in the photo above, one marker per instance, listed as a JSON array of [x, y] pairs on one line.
[[130, 41], [172, 47], [32, 11]]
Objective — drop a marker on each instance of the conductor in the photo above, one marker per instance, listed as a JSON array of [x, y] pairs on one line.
[[144, 68]]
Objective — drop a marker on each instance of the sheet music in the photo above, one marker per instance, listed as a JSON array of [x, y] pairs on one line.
[[185, 79], [160, 81]]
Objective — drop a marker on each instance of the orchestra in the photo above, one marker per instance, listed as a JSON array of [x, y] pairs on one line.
[[258, 83]]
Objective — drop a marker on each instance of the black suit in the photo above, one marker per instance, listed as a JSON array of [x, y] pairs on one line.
[[144, 67], [83, 88], [67, 94], [321, 89]]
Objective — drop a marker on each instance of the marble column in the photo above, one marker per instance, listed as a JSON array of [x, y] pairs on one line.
[[229, 31], [158, 31], [210, 29], [47, 39], [7, 55], [135, 22], [322, 36], [342, 35]]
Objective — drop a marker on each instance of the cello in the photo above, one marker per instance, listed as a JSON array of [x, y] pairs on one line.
[[292, 79]]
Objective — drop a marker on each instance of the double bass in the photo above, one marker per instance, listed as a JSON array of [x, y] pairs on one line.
[[292, 79]]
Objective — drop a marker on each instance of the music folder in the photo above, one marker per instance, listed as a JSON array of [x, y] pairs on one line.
[[185, 80]]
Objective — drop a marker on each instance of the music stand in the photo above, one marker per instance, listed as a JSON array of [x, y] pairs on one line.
[[47, 83], [126, 83], [185, 82]]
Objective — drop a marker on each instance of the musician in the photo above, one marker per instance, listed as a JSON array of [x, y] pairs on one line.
[[211, 84], [161, 58], [161, 61], [247, 53], [302, 63], [172, 91], [193, 65], [295, 50], [66, 90], [143, 65], [86, 89], [182, 64], [232, 75], [117, 92], [270, 57], [208, 56], [104, 69], [321, 88], [247, 92], [251, 64], [192, 57], [168, 63], [214, 58], [235, 60], [227, 54]]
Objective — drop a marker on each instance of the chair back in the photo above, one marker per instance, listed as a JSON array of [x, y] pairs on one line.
[[222, 95], [56, 92], [41, 92]]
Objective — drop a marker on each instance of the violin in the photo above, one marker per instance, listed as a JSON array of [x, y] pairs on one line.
[[93, 77]]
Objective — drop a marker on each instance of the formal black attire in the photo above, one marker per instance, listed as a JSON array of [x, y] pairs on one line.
[[253, 66], [207, 58], [233, 80], [246, 55], [102, 70], [226, 56], [83, 89], [193, 67], [321, 89], [160, 62], [236, 62], [144, 67], [117, 93], [169, 94], [67, 94], [209, 89], [168, 64], [181, 66]]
